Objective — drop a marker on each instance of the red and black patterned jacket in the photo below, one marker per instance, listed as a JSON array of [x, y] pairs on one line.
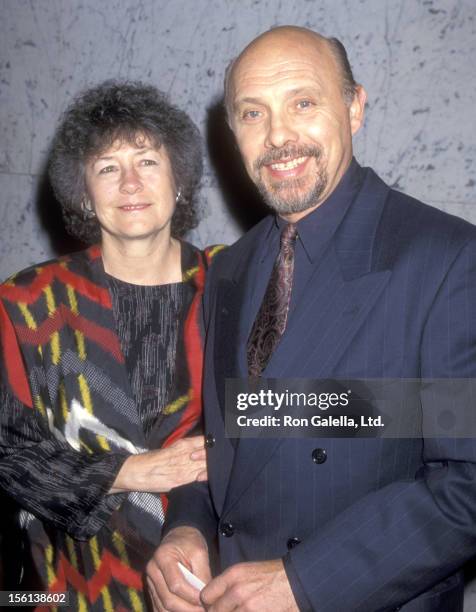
[[68, 421]]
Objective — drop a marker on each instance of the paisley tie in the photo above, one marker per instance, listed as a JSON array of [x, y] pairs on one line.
[[271, 319]]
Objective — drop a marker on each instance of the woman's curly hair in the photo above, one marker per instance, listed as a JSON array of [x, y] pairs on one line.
[[124, 111]]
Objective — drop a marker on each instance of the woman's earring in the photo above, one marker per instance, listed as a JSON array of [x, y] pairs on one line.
[[87, 209], [178, 196]]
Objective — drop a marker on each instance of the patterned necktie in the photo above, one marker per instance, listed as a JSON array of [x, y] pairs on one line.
[[270, 321]]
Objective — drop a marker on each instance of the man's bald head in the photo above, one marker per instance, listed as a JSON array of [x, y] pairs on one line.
[[293, 106], [285, 35]]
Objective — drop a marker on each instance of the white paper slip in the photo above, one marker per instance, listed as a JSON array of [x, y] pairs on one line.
[[191, 578]]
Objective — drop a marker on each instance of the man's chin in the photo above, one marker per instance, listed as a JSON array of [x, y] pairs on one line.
[[288, 197], [288, 208], [284, 204]]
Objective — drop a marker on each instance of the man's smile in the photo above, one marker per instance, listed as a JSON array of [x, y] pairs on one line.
[[288, 168]]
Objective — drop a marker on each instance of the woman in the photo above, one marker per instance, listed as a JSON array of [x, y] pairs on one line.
[[101, 350]]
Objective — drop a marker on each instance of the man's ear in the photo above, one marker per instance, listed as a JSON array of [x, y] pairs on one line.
[[357, 109]]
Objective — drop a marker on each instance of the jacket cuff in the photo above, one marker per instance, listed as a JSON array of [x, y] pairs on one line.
[[190, 506], [299, 594], [100, 505]]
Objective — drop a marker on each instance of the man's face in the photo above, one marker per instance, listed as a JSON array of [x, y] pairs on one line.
[[292, 125]]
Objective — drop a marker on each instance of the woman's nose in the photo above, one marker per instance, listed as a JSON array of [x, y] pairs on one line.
[[130, 181]]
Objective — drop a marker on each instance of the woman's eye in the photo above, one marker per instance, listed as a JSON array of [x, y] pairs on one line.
[[107, 169], [149, 162]]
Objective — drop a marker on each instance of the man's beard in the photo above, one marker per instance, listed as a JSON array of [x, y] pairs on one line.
[[286, 196]]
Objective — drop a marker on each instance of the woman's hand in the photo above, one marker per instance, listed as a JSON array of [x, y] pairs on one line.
[[160, 470]]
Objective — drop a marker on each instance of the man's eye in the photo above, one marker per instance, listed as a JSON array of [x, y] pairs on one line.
[[148, 162], [303, 104], [107, 169], [251, 114]]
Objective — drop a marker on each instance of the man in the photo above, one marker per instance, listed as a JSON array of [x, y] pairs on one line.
[[382, 287]]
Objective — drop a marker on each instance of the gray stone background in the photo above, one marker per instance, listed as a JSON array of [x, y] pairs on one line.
[[416, 59]]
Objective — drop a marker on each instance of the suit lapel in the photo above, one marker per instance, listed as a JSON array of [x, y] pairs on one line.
[[227, 356], [236, 311], [332, 311], [233, 317]]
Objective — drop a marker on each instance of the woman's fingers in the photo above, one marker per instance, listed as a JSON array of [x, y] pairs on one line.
[[192, 443], [160, 470], [202, 476], [199, 455]]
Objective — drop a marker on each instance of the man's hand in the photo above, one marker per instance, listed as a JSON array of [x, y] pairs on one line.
[[168, 588], [250, 587]]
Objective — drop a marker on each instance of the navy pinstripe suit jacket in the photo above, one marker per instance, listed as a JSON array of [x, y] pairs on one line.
[[383, 523]]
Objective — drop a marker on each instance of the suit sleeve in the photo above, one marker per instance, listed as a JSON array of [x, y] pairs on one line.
[[44, 475], [190, 506], [406, 537]]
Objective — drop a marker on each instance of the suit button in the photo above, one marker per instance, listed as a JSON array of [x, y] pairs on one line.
[[292, 542], [209, 441], [227, 530], [319, 455]]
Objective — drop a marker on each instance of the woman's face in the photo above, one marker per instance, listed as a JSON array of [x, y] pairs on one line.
[[132, 190]]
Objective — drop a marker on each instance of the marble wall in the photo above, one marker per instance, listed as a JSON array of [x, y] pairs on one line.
[[415, 57]]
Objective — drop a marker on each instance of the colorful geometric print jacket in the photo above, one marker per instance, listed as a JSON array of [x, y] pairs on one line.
[[68, 421]]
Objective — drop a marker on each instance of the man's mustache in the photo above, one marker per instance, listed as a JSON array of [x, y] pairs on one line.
[[277, 155]]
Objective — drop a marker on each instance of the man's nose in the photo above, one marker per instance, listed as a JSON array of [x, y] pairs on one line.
[[130, 181], [280, 132]]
